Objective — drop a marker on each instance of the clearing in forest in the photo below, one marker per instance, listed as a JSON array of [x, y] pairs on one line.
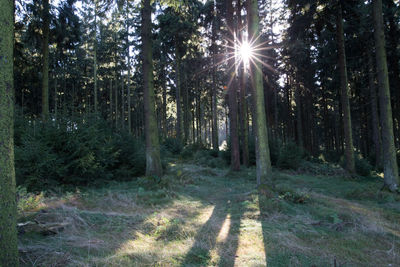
[[199, 216]]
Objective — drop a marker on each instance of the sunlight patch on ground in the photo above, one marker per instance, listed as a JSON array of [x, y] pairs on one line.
[[251, 248], [223, 233]]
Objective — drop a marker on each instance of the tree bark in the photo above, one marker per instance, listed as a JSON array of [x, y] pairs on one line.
[[349, 148], [299, 117], [232, 92], [391, 172], [376, 134], [8, 209], [178, 96], [95, 58], [186, 108], [128, 46], [263, 161], [45, 60], [111, 100], [153, 161], [214, 87], [244, 120]]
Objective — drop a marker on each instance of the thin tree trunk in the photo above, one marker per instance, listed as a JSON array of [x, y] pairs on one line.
[[391, 172], [95, 58], [45, 60], [349, 148], [8, 208], [376, 134], [55, 97], [178, 96], [232, 92], [244, 121], [214, 86], [111, 100], [116, 101], [129, 108], [263, 161], [185, 108], [153, 161], [164, 98], [122, 102], [299, 117]]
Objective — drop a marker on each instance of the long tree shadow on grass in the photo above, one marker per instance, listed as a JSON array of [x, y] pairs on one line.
[[220, 232], [228, 252], [206, 238]]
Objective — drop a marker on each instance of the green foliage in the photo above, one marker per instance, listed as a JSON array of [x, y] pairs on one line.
[[28, 201], [332, 156], [173, 145], [274, 150], [295, 197], [291, 195], [207, 158], [290, 156], [363, 167], [74, 151], [326, 169], [189, 150]]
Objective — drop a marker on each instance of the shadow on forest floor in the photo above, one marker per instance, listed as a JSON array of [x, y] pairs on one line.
[[212, 217], [194, 222]]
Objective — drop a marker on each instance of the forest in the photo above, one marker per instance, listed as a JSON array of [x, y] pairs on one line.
[[199, 133]]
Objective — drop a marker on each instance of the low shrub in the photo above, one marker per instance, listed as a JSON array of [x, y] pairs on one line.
[[206, 158], [332, 156], [363, 167], [74, 151], [189, 150], [173, 145], [290, 156]]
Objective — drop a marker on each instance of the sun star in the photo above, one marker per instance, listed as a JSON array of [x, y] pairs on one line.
[[245, 51]]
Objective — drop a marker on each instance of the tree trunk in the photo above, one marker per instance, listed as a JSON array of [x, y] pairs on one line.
[[185, 109], [299, 117], [214, 87], [55, 97], [153, 161], [164, 102], [45, 60], [232, 92], [263, 161], [393, 65], [8, 209], [178, 96], [349, 149], [111, 100], [391, 172], [376, 134], [95, 58], [122, 102], [244, 121], [129, 108], [116, 101]]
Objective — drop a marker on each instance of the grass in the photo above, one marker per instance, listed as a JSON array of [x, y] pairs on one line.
[[201, 216]]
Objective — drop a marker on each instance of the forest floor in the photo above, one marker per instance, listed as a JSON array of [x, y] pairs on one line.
[[199, 216]]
